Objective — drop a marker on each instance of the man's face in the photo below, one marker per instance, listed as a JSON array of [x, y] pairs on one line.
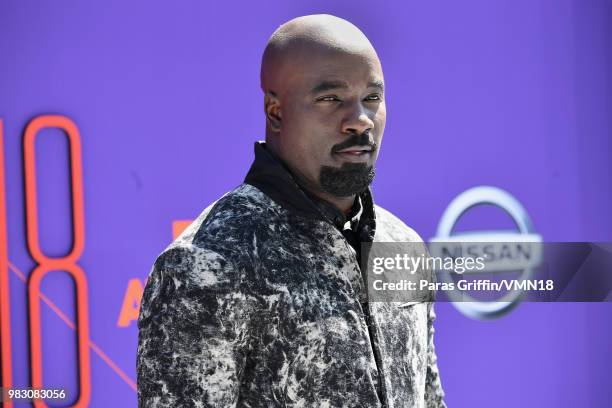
[[333, 116]]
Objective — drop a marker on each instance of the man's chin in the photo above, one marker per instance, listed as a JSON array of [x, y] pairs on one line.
[[347, 180]]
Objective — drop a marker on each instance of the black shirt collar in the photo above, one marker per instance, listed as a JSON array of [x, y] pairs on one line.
[[332, 213]]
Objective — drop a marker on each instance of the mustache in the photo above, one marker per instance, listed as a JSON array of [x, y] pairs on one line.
[[363, 139]]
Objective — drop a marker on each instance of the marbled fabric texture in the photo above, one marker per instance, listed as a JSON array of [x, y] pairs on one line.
[[254, 306]]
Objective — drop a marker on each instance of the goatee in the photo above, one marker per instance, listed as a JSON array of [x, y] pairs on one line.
[[348, 180]]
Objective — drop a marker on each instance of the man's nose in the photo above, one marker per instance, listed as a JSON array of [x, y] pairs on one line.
[[357, 120]]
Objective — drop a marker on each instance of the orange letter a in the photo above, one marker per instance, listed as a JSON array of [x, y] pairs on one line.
[[131, 303]]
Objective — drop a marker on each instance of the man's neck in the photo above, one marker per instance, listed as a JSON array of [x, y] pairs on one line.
[[344, 204]]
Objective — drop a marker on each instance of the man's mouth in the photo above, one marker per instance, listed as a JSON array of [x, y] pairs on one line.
[[354, 154], [356, 150]]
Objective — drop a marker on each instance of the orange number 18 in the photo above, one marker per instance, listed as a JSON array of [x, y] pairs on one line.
[[45, 262]]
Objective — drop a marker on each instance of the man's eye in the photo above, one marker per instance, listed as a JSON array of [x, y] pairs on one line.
[[330, 98], [373, 97]]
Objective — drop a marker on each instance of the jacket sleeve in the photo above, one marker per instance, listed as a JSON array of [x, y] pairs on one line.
[[193, 331], [434, 395]]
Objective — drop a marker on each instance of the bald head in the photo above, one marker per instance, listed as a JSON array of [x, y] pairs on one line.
[[305, 36]]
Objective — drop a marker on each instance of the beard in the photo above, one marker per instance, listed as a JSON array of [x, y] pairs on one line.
[[348, 180]]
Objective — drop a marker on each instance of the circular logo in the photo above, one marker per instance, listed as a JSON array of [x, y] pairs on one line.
[[488, 242]]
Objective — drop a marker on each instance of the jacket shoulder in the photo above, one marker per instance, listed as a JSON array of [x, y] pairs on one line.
[[229, 218], [392, 229]]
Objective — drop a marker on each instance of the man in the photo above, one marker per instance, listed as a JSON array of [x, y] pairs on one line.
[[261, 301]]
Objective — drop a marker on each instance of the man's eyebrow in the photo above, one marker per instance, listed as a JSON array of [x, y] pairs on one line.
[[331, 85], [328, 86], [377, 84]]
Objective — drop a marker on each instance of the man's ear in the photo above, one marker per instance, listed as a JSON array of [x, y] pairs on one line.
[[273, 111]]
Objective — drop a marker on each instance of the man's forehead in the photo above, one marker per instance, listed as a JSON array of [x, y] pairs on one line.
[[337, 70]]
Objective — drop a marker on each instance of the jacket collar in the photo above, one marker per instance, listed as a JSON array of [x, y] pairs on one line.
[[270, 175]]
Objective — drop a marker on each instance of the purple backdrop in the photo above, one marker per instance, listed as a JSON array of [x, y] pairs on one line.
[[515, 94]]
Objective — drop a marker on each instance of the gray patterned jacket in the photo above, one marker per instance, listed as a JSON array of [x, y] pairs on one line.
[[259, 303]]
